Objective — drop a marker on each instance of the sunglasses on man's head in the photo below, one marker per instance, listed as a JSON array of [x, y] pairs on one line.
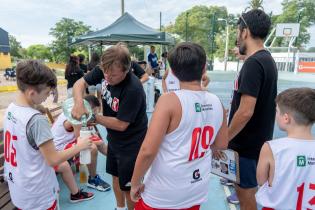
[[242, 18]]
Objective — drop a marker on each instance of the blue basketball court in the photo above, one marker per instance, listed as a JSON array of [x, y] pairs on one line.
[[221, 84]]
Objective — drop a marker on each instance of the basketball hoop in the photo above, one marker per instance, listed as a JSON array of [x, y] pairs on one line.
[[287, 33]]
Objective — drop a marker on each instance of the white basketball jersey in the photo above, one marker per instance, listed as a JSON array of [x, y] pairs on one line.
[[61, 136], [293, 185], [171, 81], [179, 175], [32, 183]]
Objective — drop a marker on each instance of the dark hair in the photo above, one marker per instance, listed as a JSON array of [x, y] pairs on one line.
[[142, 62], [164, 55], [116, 55], [95, 60], [72, 66], [81, 58], [34, 74], [300, 103], [257, 21], [187, 61], [93, 101]]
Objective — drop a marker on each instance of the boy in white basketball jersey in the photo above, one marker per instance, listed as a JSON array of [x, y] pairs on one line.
[[65, 135], [175, 156], [286, 167], [30, 153]]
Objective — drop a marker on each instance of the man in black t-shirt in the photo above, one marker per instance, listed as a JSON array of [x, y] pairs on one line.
[[124, 115], [252, 114], [139, 72]]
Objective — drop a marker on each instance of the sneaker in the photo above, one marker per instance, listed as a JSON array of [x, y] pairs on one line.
[[98, 183], [233, 199], [81, 196], [226, 182]]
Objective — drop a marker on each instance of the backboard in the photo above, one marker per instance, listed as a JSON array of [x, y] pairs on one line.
[[287, 30]]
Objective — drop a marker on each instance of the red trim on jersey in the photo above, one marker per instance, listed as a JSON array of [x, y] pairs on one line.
[[53, 207], [266, 208], [71, 144], [140, 205]]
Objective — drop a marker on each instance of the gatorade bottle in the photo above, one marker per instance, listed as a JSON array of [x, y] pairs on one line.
[[83, 174], [85, 155]]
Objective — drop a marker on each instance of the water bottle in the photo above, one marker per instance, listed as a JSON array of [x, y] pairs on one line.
[[85, 155]]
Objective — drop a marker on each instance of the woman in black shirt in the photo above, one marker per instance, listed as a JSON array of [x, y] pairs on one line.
[[72, 73]]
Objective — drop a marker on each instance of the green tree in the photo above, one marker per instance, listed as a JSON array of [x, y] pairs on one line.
[[39, 51], [63, 32], [220, 38], [198, 24], [15, 47], [294, 11], [256, 4], [137, 52], [23, 53]]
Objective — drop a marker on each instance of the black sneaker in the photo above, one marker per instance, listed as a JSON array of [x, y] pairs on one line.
[[81, 196]]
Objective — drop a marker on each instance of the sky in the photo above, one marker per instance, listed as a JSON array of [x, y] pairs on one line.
[[31, 20]]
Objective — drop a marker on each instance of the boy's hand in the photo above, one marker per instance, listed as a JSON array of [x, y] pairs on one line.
[[84, 143], [135, 192], [217, 154]]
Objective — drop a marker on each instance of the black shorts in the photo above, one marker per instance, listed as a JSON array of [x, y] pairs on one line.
[[248, 168], [121, 165]]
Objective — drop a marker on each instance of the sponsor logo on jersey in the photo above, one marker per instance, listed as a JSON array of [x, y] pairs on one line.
[[203, 107], [301, 161], [11, 177], [197, 107], [196, 176], [11, 117]]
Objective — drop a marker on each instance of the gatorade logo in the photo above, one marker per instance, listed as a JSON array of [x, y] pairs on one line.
[[301, 161], [196, 174], [197, 107]]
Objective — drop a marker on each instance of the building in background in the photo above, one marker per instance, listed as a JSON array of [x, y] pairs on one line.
[[5, 58]]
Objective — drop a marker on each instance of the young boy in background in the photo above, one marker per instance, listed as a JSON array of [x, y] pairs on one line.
[[65, 135]]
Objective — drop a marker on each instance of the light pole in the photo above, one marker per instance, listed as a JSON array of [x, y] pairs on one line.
[[122, 7], [186, 26], [226, 53]]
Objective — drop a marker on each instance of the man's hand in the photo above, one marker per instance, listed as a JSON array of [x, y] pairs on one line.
[[78, 111]]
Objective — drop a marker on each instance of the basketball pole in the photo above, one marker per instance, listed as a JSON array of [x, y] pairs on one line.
[[289, 51]]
